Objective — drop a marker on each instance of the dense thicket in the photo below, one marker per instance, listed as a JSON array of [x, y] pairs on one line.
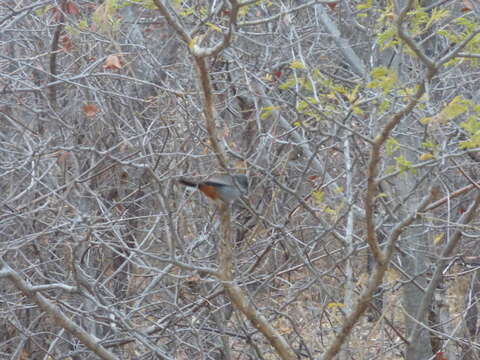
[[356, 123]]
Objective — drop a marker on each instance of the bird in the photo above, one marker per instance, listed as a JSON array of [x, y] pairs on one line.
[[227, 188]]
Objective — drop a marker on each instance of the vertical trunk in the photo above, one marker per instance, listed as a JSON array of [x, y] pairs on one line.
[[414, 264], [408, 187], [349, 282]]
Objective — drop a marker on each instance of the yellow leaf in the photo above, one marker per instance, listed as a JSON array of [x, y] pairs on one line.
[[383, 78], [330, 211], [353, 96], [289, 83], [214, 27], [268, 77], [193, 42], [455, 108], [334, 305], [357, 111], [267, 111], [318, 196], [438, 238], [426, 156], [297, 64], [105, 15]]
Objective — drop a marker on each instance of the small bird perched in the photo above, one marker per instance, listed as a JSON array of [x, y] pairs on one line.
[[227, 188]]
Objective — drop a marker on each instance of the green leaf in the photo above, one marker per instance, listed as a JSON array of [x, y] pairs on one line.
[[384, 106], [267, 111], [470, 25], [357, 111], [304, 104], [403, 164], [455, 108], [472, 127], [82, 25], [214, 27], [306, 84], [187, 12], [365, 5], [383, 78], [318, 196], [390, 169], [472, 143], [147, 4], [387, 38], [391, 145], [243, 11], [353, 95], [429, 145], [419, 17], [289, 83], [436, 16]]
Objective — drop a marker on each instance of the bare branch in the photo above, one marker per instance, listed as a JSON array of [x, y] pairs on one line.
[[60, 318], [375, 280], [442, 261]]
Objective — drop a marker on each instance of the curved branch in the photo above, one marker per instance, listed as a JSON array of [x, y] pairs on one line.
[[60, 318], [53, 57], [382, 259], [172, 22], [375, 158], [443, 259], [238, 297], [208, 110], [203, 74], [376, 279]]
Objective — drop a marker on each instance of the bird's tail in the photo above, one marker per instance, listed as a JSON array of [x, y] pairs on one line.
[[187, 183]]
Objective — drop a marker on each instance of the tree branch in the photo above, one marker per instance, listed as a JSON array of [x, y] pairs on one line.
[[204, 77], [376, 279], [466, 218], [60, 318], [236, 294]]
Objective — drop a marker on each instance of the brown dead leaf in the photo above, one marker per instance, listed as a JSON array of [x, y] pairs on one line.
[[24, 355], [193, 278], [90, 110], [72, 8], [332, 5], [56, 14], [112, 63], [66, 43], [69, 8], [62, 158], [440, 356], [467, 5]]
